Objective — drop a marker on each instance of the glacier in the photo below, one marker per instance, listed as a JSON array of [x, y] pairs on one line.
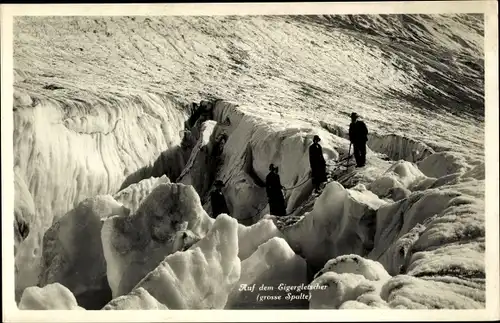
[[116, 148]]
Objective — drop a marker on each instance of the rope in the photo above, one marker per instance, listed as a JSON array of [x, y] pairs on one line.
[[298, 185], [293, 187]]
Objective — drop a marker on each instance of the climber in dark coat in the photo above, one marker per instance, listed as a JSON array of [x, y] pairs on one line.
[[274, 194], [318, 163], [358, 135], [218, 201]]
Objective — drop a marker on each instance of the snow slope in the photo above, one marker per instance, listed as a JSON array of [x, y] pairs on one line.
[[103, 104]]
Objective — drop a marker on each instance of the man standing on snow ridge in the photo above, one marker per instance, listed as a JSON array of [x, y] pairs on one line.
[[358, 135], [274, 193], [218, 201], [318, 163]]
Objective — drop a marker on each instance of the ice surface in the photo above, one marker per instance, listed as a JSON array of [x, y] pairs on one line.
[[365, 301], [51, 297], [432, 219], [135, 245], [354, 264], [96, 150], [199, 169], [413, 293], [342, 222], [273, 265], [133, 195], [27, 248], [444, 163], [399, 147], [80, 267], [24, 211], [138, 299], [340, 288], [201, 277], [346, 287], [401, 175], [250, 238]]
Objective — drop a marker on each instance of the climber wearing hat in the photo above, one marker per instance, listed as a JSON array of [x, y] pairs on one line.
[[318, 163], [274, 193], [218, 201], [358, 135]]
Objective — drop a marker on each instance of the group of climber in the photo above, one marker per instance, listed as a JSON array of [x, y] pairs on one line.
[[358, 136]]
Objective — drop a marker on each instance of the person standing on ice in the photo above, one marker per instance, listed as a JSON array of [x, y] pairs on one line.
[[318, 163], [358, 135], [218, 201], [274, 193]]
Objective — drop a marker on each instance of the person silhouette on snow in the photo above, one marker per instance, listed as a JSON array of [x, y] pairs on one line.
[[274, 193], [218, 201], [318, 163], [358, 135]]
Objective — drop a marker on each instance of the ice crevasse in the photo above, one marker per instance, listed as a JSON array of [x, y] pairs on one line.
[[94, 146], [373, 238]]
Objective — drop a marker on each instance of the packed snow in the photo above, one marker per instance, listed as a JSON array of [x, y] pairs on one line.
[[138, 299], [51, 297], [273, 264], [117, 127]]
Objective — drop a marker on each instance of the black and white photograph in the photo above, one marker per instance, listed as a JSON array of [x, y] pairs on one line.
[[314, 160]]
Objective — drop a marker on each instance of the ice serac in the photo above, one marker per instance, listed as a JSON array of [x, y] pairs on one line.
[[360, 293], [437, 246], [444, 163], [396, 235], [137, 299], [80, 267], [201, 277], [133, 195], [397, 181], [252, 237], [134, 245], [342, 222], [275, 266], [396, 219], [336, 289], [354, 264], [51, 297]]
